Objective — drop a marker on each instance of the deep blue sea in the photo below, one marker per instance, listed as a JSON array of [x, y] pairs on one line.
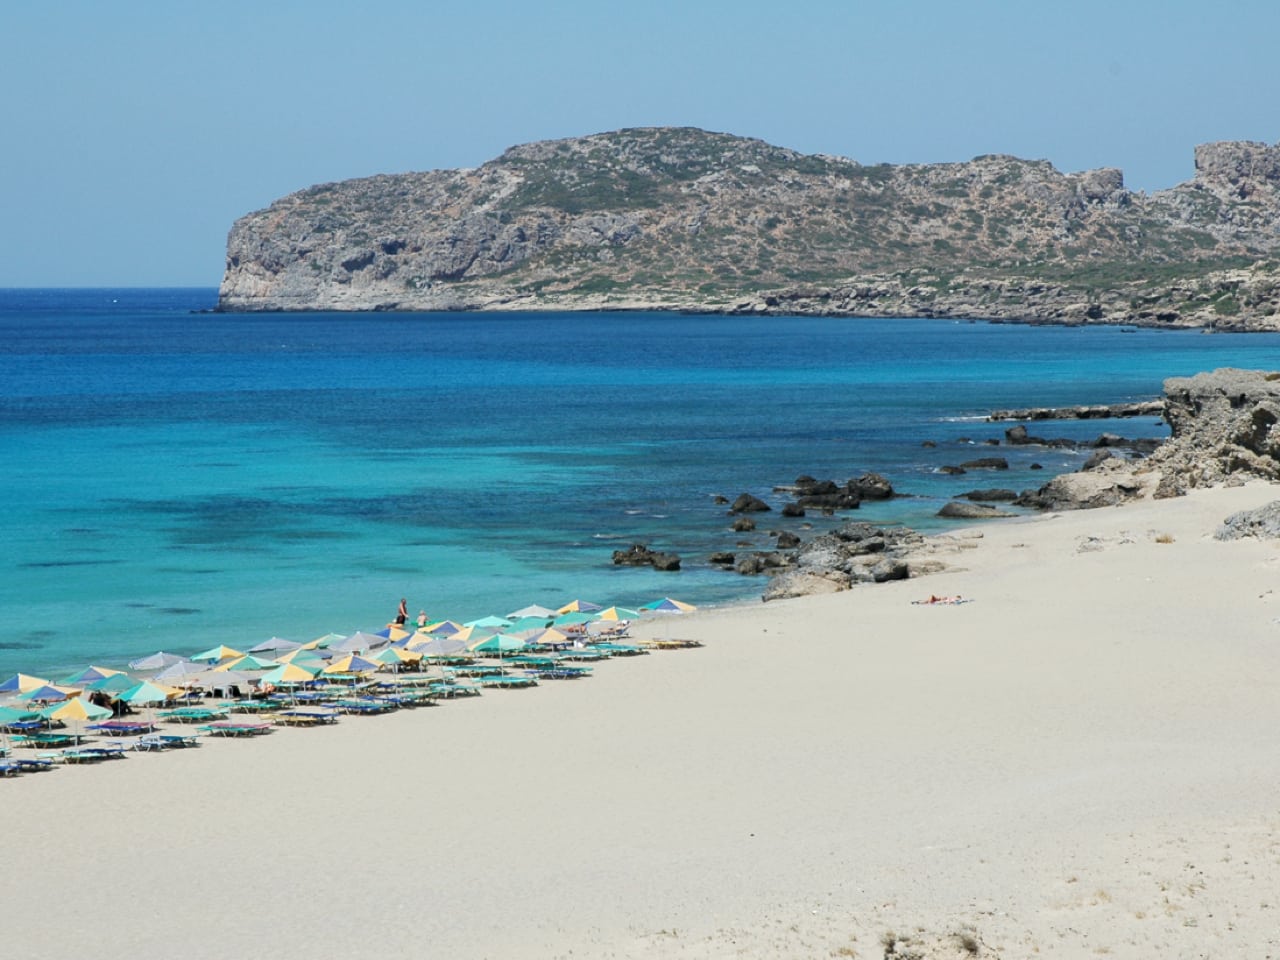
[[174, 479]]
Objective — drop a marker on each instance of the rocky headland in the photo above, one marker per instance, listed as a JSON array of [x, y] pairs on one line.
[[684, 219]]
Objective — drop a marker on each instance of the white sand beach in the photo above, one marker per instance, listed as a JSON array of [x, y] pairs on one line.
[[1080, 762]]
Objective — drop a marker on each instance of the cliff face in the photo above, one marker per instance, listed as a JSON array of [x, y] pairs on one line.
[[683, 218]]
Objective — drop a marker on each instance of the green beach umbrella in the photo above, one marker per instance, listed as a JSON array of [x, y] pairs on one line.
[[112, 684], [618, 613], [484, 623], [145, 693], [89, 675], [499, 643]]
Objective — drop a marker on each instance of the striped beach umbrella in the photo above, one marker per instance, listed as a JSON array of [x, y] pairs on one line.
[[618, 613], [580, 606], [22, 683], [667, 605]]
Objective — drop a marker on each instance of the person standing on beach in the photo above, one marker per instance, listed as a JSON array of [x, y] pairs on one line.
[[403, 613]]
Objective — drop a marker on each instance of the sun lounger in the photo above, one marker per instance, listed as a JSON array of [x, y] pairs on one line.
[[166, 741], [232, 728], [364, 705], [304, 718], [620, 649], [93, 754], [447, 688], [667, 643], [24, 726], [508, 681], [121, 728], [45, 740], [9, 769], [33, 766], [193, 714]]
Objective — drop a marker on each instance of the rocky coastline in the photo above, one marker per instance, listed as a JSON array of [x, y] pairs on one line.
[[1223, 428]]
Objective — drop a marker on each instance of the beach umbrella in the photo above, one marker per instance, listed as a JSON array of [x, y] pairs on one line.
[[551, 637], [618, 613], [49, 693], [211, 679], [351, 664], [156, 661], [667, 605], [445, 627], [359, 642], [248, 662], [181, 669], [89, 674], [146, 693], [579, 606], [572, 619], [22, 683], [439, 647], [394, 656], [112, 684], [289, 673], [487, 623], [305, 657], [499, 643], [218, 654], [10, 715], [77, 710], [533, 610], [276, 645], [393, 632], [521, 624], [322, 643]]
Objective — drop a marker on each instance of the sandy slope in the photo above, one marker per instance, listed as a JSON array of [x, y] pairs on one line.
[[1080, 762]]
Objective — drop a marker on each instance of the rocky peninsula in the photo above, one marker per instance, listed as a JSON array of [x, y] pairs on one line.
[[684, 219]]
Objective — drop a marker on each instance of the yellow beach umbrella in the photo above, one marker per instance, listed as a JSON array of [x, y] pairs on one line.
[[618, 613], [23, 683], [579, 606], [551, 637], [351, 663]]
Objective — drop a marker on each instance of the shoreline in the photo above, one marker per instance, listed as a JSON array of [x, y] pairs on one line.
[[1080, 760]]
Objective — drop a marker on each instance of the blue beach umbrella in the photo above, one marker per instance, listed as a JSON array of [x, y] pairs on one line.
[[22, 683], [579, 606], [88, 675], [48, 694]]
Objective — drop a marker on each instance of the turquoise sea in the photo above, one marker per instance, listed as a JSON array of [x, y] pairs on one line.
[[175, 479]]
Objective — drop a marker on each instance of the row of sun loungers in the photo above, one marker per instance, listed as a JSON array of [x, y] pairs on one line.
[[304, 707]]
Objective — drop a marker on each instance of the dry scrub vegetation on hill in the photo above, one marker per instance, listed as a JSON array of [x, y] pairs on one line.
[[686, 219]]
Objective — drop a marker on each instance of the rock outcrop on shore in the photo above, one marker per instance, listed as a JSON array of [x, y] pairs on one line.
[[1223, 430], [678, 218]]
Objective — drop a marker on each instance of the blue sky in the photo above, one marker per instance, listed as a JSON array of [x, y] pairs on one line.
[[135, 132]]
